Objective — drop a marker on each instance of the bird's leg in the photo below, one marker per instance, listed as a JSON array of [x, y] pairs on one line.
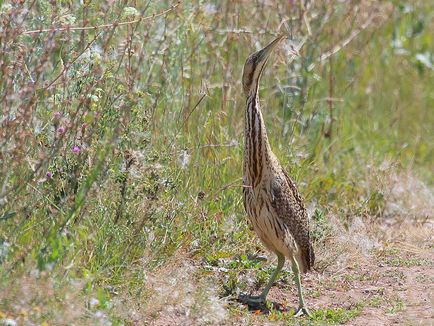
[[261, 298], [302, 310], [280, 263]]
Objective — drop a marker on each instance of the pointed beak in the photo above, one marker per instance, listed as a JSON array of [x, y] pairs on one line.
[[263, 54]]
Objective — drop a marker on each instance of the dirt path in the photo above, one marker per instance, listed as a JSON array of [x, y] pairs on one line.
[[384, 295], [390, 282], [393, 285]]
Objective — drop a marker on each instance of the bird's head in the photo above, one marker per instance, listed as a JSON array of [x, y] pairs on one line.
[[255, 64]]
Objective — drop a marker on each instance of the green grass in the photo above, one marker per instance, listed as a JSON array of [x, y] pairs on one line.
[[154, 111], [330, 316], [337, 315], [408, 262], [396, 306]]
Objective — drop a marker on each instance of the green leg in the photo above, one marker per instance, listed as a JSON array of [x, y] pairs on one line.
[[280, 263], [302, 310], [261, 298]]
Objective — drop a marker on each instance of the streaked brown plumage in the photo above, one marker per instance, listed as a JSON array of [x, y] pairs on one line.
[[272, 202]]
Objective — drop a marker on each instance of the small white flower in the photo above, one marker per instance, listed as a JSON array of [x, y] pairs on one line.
[[184, 159], [93, 302], [8, 322], [68, 19], [425, 59], [210, 9], [5, 8], [99, 314], [151, 236], [130, 11], [93, 97], [95, 57]]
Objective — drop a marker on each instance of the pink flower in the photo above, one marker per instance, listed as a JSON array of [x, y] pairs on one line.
[[57, 115], [49, 174], [61, 130], [76, 149]]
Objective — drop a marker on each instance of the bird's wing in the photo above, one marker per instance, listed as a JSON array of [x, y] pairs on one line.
[[290, 209]]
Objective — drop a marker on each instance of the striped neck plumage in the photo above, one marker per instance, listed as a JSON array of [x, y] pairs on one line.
[[256, 141]]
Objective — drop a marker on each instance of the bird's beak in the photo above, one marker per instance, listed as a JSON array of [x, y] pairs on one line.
[[265, 52]]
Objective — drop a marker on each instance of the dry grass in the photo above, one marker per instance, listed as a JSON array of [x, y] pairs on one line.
[[32, 299], [175, 295], [121, 127]]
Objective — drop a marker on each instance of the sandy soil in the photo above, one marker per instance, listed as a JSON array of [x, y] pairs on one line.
[[386, 273]]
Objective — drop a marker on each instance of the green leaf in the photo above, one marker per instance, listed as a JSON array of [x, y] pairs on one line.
[[7, 215]]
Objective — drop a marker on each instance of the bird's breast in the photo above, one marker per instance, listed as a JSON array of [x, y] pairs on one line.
[[256, 196]]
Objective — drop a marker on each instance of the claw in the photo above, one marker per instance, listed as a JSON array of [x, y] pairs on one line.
[[302, 311], [254, 303]]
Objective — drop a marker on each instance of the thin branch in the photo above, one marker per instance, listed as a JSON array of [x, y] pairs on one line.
[[29, 73], [116, 24], [69, 64], [236, 183], [192, 110], [329, 99], [345, 42], [230, 144]]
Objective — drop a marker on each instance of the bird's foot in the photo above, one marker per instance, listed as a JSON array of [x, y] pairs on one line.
[[252, 299], [254, 302], [302, 311], [259, 303]]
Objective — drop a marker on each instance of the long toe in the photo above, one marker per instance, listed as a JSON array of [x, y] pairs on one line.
[[252, 299], [302, 311], [254, 303]]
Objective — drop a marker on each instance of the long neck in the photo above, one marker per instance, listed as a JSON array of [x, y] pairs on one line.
[[256, 146]]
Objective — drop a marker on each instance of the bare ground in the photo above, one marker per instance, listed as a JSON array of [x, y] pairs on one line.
[[377, 271], [391, 283]]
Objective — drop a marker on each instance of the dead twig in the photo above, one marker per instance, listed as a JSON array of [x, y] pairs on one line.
[[345, 42], [115, 24]]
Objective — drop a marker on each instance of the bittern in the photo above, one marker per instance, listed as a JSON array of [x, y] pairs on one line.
[[271, 199]]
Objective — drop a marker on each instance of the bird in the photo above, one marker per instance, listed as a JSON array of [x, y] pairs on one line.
[[272, 202]]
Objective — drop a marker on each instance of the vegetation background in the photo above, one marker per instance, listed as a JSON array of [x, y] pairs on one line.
[[121, 142]]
